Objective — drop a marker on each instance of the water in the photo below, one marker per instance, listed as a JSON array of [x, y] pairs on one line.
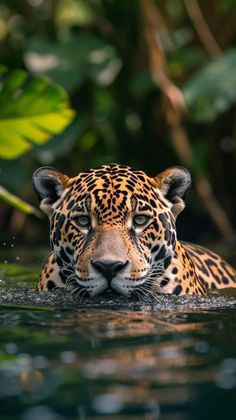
[[109, 358]]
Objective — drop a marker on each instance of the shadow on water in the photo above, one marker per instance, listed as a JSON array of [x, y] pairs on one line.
[[108, 358]]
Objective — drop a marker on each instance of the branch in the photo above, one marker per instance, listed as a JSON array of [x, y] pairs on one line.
[[202, 28]]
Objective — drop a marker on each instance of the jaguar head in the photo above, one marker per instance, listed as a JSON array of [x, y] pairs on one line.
[[113, 227]]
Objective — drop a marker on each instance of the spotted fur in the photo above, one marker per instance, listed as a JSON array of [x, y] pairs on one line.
[[99, 243]]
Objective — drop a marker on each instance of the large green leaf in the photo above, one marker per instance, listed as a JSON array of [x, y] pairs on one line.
[[32, 109], [212, 90]]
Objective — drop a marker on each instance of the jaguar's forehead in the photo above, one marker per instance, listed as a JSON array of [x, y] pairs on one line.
[[113, 187], [113, 178]]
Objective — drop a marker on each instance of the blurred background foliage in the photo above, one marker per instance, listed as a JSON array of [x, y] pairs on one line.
[[153, 84]]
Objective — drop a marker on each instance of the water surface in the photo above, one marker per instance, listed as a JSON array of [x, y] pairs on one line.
[[110, 358]]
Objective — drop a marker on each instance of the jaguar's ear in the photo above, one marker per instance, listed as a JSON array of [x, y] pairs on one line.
[[49, 185], [174, 184]]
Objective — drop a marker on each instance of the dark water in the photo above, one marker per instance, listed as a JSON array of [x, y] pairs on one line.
[[109, 358]]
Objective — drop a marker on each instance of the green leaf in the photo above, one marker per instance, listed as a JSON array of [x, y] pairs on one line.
[[32, 110], [16, 202], [212, 90]]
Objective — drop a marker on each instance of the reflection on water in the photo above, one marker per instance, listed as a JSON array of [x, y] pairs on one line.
[[109, 359]]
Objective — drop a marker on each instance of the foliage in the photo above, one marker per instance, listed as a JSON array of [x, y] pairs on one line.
[[31, 111], [71, 61], [17, 202], [210, 92], [97, 50]]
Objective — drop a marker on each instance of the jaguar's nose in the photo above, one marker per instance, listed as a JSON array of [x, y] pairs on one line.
[[109, 269]]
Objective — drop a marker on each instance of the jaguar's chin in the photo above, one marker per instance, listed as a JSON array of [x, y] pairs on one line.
[[110, 293], [109, 290], [101, 287], [128, 286]]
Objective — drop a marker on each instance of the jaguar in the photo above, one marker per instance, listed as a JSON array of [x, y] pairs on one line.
[[114, 228]]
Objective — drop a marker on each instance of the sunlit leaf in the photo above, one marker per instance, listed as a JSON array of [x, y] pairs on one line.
[[32, 110], [212, 90]]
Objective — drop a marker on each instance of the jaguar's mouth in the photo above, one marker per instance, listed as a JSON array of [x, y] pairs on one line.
[[100, 287], [108, 294]]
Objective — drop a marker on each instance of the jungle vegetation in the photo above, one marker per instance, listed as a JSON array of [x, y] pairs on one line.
[[142, 82]]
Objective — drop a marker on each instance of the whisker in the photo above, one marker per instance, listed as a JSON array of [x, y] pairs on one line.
[[70, 280], [75, 290]]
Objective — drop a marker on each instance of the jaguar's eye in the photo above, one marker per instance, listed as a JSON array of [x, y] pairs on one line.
[[83, 221], [140, 220]]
